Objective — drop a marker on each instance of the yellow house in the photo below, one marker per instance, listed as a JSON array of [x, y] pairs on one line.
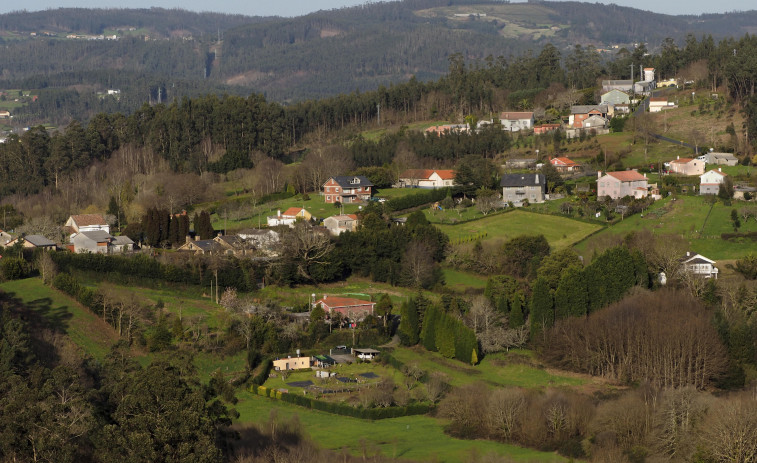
[[291, 363]]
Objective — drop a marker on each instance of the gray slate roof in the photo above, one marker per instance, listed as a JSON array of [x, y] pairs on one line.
[[38, 240], [344, 181], [521, 180]]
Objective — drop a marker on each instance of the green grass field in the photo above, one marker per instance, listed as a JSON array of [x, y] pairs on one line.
[[559, 231], [84, 328], [497, 370], [351, 370], [418, 438], [460, 281], [685, 216]]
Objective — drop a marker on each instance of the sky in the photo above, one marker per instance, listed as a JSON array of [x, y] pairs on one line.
[[301, 7]]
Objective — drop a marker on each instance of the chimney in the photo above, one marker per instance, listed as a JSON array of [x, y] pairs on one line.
[[325, 296], [298, 352], [678, 157], [720, 169], [645, 175], [688, 253], [278, 213], [187, 239], [599, 174]]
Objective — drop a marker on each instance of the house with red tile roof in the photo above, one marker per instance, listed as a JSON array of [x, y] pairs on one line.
[[621, 184], [563, 164], [86, 223], [350, 308], [427, 178], [338, 224], [687, 166], [289, 217]]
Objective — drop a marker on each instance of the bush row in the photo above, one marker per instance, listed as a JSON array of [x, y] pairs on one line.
[[417, 199], [339, 408]]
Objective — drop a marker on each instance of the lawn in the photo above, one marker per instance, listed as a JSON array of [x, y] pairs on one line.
[[690, 218], [63, 314], [461, 281], [418, 438], [497, 370], [233, 215], [352, 287], [352, 370], [560, 232]]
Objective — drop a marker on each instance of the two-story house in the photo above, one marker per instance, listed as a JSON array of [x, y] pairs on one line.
[[86, 223], [709, 182], [338, 224], [344, 189], [519, 187], [580, 113], [621, 184], [516, 121]]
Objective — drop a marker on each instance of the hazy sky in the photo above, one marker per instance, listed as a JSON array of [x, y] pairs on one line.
[[300, 7]]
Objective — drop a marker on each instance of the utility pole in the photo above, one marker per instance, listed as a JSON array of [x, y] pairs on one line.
[[378, 109]]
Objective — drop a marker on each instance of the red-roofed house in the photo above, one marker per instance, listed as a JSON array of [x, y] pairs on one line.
[[86, 223], [350, 308], [658, 103], [687, 166], [564, 164], [709, 183], [289, 217], [621, 184], [338, 224], [427, 178]]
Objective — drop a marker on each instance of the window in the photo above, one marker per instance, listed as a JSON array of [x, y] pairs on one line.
[[336, 189], [328, 198]]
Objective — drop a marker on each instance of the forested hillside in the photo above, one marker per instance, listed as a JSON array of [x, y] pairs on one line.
[[163, 55]]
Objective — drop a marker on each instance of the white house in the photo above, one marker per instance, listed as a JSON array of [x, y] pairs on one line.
[[710, 181], [427, 178], [516, 121], [288, 217], [700, 265], [87, 223]]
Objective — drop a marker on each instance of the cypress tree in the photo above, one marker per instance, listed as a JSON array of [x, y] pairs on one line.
[[445, 337], [541, 312], [571, 296], [408, 329], [430, 324], [516, 311]]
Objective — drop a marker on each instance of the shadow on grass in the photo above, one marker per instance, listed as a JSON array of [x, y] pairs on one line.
[[44, 323]]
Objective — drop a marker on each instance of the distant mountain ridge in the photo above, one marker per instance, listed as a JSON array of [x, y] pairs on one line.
[[178, 53]]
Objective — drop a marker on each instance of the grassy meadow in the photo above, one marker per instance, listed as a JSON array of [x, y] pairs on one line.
[[419, 438], [560, 232], [700, 223], [62, 314], [497, 370]]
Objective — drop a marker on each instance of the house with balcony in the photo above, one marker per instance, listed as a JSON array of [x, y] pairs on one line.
[[517, 188], [347, 189]]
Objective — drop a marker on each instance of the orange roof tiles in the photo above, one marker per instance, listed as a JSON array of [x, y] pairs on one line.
[[627, 176], [84, 220]]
